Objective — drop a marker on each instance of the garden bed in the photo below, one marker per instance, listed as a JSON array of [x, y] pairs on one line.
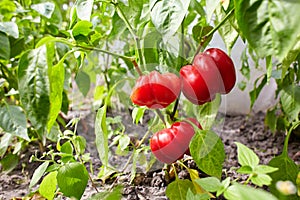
[[248, 130]]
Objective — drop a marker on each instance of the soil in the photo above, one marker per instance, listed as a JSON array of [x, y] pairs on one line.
[[249, 130]]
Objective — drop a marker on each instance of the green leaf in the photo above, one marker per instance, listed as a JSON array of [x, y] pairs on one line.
[[136, 12], [6, 140], [46, 9], [227, 31], [264, 169], [290, 100], [34, 88], [67, 148], [17, 46], [54, 133], [225, 184], [80, 144], [114, 194], [167, 15], [246, 157], [287, 170], [256, 90], [191, 196], [290, 57], [83, 81], [261, 179], [271, 119], [137, 114], [208, 152], [38, 173], [13, 121], [245, 192], [210, 184], [271, 27], [56, 78], [102, 135], [72, 179], [245, 170], [124, 141], [84, 9], [5, 47], [211, 6], [82, 28], [9, 162], [10, 28], [199, 32], [177, 190], [208, 112], [48, 186]]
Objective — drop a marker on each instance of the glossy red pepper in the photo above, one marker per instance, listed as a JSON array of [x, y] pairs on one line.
[[226, 68], [170, 144], [211, 72], [156, 90]]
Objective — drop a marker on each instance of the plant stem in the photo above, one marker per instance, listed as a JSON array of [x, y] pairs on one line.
[[210, 33], [131, 59], [135, 37], [175, 107], [160, 115], [286, 140]]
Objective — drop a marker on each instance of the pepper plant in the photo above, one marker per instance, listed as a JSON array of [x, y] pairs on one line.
[[155, 48]]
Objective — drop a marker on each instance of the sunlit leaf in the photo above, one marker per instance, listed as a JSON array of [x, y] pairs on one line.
[[167, 15], [178, 189], [72, 179], [208, 152], [13, 121], [271, 27], [48, 185]]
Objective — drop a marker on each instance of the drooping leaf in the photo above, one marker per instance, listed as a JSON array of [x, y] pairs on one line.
[[72, 179], [38, 173], [271, 119], [80, 144], [290, 57], [228, 33], [6, 140], [245, 192], [13, 121], [83, 82], [136, 12], [48, 185], [10, 28], [290, 100], [271, 27], [211, 184], [56, 78], [102, 135], [34, 88], [5, 47], [46, 9], [167, 15], [208, 152], [246, 157], [211, 6], [178, 189], [256, 90], [84, 9], [9, 162]]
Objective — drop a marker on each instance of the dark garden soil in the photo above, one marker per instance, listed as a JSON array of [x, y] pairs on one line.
[[152, 185]]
